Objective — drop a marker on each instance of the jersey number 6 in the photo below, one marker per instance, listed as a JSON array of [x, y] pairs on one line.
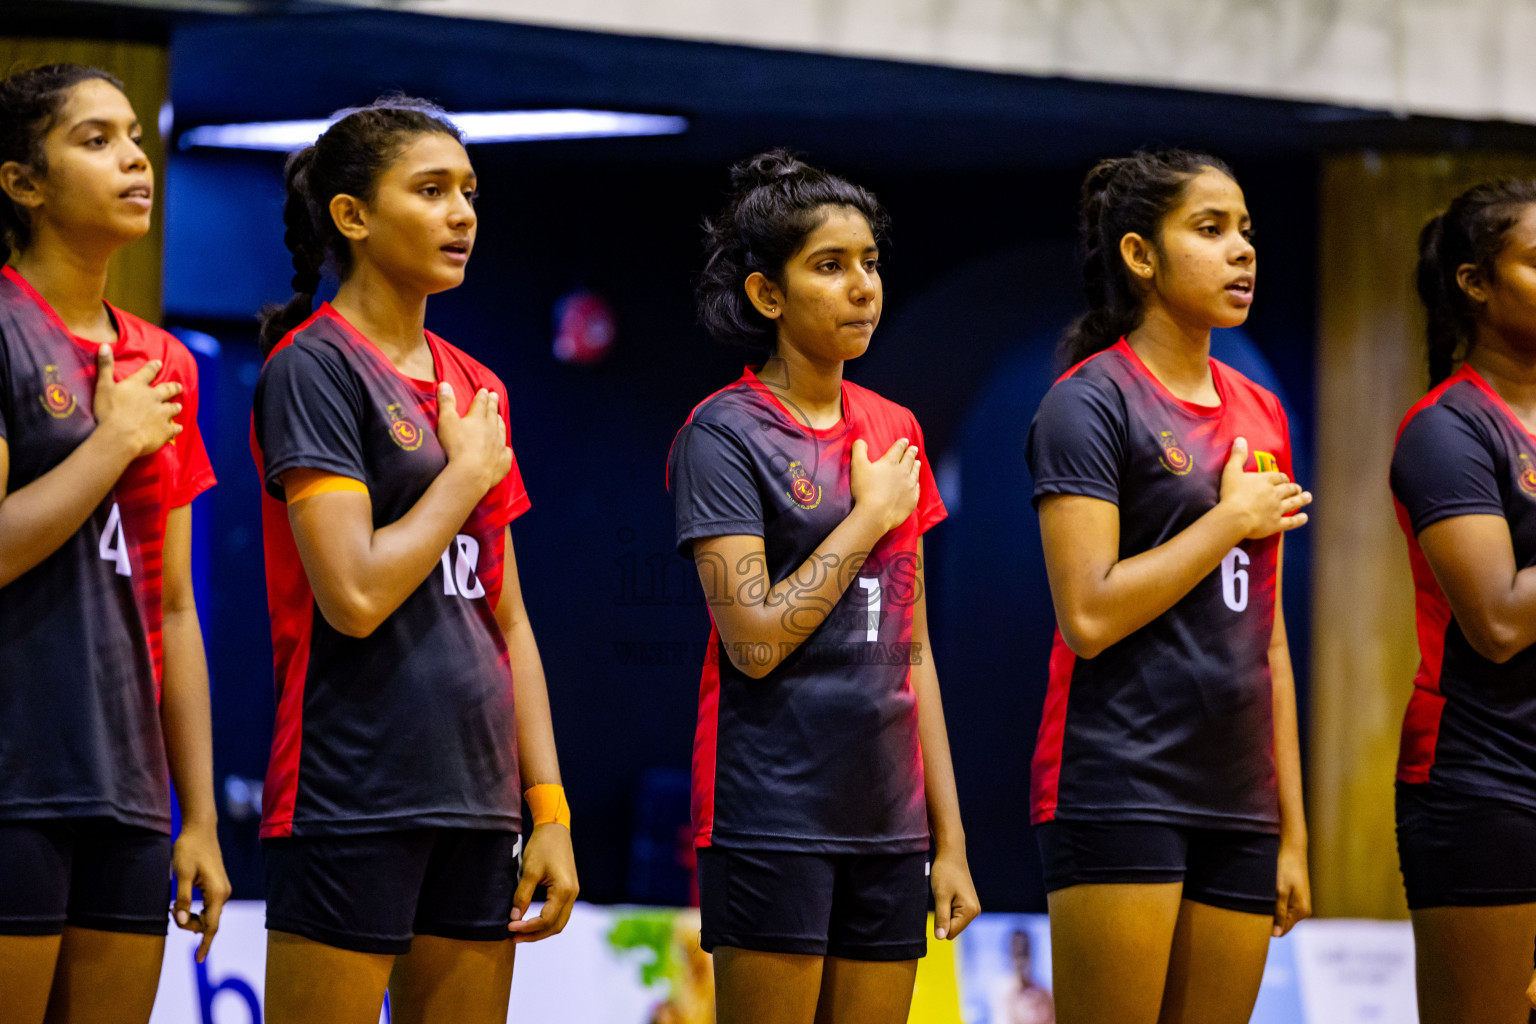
[[1234, 581]]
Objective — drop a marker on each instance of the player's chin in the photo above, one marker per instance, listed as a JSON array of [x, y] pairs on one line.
[[1227, 313], [444, 279], [126, 225], [854, 343]]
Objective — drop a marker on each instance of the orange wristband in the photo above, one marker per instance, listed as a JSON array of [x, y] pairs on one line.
[[547, 802]]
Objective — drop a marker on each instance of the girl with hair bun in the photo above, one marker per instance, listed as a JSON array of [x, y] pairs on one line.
[[412, 708], [821, 764], [1465, 492], [104, 699], [1167, 776]]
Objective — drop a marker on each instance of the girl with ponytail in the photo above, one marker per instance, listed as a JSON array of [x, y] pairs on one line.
[[821, 764], [1465, 491], [412, 708], [1167, 774], [104, 699]]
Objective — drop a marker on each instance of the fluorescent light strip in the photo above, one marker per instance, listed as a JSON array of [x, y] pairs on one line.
[[490, 126]]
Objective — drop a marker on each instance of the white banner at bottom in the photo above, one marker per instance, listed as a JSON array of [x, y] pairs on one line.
[[642, 965]]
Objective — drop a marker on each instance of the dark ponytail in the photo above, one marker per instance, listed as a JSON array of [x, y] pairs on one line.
[[348, 159], [1471, 230], [1122, 196], [776, 201], [30, 104]]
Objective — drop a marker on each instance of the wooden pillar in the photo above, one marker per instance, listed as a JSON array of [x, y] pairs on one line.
[[133, 281], [1370, 369]]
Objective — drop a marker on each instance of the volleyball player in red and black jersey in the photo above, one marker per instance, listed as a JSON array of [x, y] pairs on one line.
[[412, 708], [1167, 779], [821, 764], [1464, 482], [105, 690]]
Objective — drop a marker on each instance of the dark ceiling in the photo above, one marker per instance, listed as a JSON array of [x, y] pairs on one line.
[[312, 58]]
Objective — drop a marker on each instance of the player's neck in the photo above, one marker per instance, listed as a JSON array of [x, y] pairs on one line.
[[71, 281], [1178, 355], [392, 318], [811, 391], [1509, 371]]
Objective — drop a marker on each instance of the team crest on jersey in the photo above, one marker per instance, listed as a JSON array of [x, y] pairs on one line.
[[1175, 459], [405, 433], [56, 397], [1527, 476], [1265, 462], [803, 491]]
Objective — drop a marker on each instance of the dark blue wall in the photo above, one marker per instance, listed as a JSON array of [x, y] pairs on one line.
[[980, 275]]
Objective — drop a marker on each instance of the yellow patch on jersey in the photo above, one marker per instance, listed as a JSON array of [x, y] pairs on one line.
[[1266, 462]]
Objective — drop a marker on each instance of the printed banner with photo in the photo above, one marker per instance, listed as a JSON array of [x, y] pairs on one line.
[[643, 965]]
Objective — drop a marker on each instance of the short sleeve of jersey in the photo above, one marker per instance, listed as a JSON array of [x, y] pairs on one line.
[[193, 473], [930, 504], [307, 416], [1076, 444], [714, 487], [1442, 468]]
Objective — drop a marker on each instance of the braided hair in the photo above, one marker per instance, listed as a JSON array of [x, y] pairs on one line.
[[1121, 196], [348, 159], [30, 104], [1471, 230], [776, 201]]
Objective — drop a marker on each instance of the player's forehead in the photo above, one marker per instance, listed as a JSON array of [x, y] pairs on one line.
[[1212, 193], [94, 101], [842, 229], [430, 154]]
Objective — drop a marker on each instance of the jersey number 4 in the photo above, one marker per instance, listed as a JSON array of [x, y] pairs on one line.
[[114, 546], [459, 573], [1234, 580]]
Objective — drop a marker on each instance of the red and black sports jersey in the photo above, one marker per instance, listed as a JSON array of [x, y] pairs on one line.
[[1174, 723], [1471, 723], [413, 725], [820, 755], [80, 651]]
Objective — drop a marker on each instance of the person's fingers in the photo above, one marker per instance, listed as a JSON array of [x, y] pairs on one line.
[[964, 914], [971, 910], [860, 451], [213, 906], [1293, 522], [447, 408], [104, 366], [167, 391], [562, 897], [943, 911], [521, 897], [145, 373], [182, 909], [1238, 456], [896, 450]]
